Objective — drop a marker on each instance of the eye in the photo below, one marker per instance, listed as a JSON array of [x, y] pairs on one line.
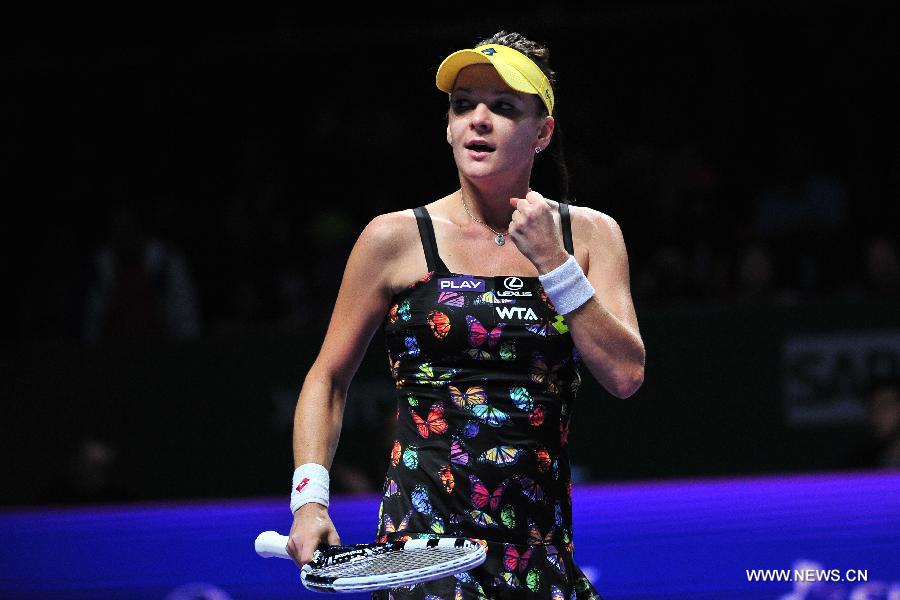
[[460, 105], [505, 108]]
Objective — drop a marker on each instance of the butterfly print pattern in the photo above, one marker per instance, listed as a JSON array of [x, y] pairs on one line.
[[484, 402]]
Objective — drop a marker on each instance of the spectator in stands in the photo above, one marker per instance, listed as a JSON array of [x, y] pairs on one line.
[[140, 286], [801, 214], [882, 449], [882, 269]]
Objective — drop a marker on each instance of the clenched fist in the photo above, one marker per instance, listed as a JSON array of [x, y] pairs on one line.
[[534, 232]]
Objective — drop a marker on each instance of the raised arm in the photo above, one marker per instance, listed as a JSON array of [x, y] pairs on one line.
[[605, 328], [361, 304]]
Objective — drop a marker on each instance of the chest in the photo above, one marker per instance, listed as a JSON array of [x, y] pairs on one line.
[[462, 317], [474, 250], [487, 258]]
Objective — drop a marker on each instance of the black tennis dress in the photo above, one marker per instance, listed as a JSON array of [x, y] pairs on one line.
[[486, 375]]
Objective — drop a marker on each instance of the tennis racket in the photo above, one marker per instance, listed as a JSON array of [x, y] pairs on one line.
[[368, 567]]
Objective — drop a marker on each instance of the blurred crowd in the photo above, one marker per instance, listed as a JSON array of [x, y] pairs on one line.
[[262, 262], [791, 235], [221, 196]]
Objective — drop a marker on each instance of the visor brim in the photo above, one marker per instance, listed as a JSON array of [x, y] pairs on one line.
[[459, 60]]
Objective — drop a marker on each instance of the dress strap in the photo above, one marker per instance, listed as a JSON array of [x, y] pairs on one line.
[[429, 244], [566, 223]]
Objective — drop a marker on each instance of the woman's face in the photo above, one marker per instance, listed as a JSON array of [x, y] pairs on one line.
[[492, 128]]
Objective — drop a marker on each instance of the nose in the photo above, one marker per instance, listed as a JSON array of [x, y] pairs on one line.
[[481, 118]]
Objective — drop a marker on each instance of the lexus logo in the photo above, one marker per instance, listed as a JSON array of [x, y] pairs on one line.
[[512, 283]]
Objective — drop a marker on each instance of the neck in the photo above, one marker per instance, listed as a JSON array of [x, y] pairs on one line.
[[490, 204]]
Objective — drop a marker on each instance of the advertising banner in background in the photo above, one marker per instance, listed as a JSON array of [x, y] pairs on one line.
[[825, 376]]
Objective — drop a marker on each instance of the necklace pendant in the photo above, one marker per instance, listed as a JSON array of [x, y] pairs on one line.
[[499, 239]]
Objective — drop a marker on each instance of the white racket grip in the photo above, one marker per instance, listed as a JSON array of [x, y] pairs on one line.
[[271, 544]]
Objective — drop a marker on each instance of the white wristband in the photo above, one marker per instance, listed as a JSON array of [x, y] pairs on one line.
[[567, 286], [310, 484]]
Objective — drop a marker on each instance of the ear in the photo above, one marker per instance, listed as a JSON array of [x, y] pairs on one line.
[[449, 137], [545, 132]]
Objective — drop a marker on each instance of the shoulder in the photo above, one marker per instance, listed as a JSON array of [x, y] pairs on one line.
[[595, 227], [392, 248], [602, 243], [389, 233]]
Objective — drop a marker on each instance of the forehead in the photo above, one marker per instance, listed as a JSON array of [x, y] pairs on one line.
[[482, 77]]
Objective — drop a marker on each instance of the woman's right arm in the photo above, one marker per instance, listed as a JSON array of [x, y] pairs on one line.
[[363, 299]]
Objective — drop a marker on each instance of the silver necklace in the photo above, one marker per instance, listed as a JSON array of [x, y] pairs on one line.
[[500, 239]]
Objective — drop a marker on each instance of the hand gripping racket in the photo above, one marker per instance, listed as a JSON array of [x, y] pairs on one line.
[[367, 567]]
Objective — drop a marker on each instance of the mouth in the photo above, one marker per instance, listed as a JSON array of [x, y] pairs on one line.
[[479, 147]]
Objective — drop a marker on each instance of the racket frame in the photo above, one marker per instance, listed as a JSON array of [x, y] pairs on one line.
[[313, 579]]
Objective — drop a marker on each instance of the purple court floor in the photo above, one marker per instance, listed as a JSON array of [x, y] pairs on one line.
[[659, 540]]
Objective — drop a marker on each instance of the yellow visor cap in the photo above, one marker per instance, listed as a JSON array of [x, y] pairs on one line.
[[517, 70]]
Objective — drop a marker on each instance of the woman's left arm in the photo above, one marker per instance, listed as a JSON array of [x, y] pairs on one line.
[[605, 328]]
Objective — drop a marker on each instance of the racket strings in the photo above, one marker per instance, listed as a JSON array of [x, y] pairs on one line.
[[395, 562]]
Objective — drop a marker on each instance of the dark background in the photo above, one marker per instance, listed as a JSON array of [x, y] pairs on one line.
[[749, 151]]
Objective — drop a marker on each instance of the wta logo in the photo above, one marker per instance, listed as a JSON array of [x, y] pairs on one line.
[[516, 312]]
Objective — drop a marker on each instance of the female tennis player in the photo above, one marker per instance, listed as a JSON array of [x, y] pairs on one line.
[[490, 298]]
